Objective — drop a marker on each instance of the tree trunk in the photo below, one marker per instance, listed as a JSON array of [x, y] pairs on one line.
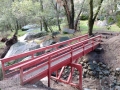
[[69, 11], [57, 14], [72, 15], [45, 25], [92, 17], [43, 19], [90, 25], [16, 27], [77, 19], [40, 25]]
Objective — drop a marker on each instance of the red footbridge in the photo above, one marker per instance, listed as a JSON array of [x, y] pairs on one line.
[[44, 61]]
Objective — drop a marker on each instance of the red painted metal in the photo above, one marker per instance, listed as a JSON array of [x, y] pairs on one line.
[[32, 53], [44, 65]]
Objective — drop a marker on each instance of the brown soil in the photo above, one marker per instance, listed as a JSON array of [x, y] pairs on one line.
[[111, 56]]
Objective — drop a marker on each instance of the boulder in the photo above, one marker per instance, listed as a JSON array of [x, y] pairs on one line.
[[31, 35], [69, 31], [55, 33], [118, 69], [29, 26], [102, 23], [21, 47]]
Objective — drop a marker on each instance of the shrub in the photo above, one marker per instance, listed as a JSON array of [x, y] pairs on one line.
[[111, 20], [84, 17], [118, 21]]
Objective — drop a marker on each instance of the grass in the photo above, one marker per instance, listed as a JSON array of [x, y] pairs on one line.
[[83, 28]]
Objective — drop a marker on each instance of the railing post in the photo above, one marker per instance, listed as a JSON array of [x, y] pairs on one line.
[[49, 70], [21, 76], [71, 54], [3, 71], [83, 49], [92, 44], [32, 56]]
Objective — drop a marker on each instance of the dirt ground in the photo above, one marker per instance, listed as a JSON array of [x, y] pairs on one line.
[[111, 56]]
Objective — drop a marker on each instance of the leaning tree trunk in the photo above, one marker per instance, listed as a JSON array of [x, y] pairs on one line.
[[77, 19]]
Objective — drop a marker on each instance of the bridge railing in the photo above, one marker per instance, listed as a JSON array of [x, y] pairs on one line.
[[48, 63], [33, 54]]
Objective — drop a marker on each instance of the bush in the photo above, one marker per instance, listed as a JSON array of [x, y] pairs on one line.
[[84, 17], [118, 21], [111, 20]]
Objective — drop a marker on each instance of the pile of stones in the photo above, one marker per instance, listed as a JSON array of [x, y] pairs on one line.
[[93, 69]]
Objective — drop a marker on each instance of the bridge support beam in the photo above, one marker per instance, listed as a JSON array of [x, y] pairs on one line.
[[69, 80]]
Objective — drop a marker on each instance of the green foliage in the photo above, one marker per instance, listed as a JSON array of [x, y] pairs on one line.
[[110, 20], [118, 21], [65, 32], [84, 17]]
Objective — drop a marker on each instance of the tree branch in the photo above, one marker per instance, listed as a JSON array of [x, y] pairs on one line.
[[98, 10]]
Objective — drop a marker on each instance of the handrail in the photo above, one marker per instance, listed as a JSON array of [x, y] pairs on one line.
[[51, 59], [46, 64], [32, 52]]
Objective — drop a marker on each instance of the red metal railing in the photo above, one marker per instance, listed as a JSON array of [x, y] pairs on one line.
[[46, 64], [5, 69]]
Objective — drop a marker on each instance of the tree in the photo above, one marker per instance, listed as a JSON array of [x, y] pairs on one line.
[[57, 9], [93, 16], [69, 11], [77, 19]]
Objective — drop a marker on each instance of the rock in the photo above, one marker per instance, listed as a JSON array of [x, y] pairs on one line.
[[90, 73], [91, 67], [118, 83], [85, 60], [100, 76], [94, 62], [106, 72], [69, 31], [90, 63], [117, 69], [117, 88], [64, 38], [55, 33], [20, 47], [100, 63], [97, 69], [46, 43], [29, 36], [86, 89], [98, 50], [29, 26], [82, 63], [106, 83], [34, 85], [103, 65], [102, 23], [100, 73], [85, 66], [84, 70], [112, 85]]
